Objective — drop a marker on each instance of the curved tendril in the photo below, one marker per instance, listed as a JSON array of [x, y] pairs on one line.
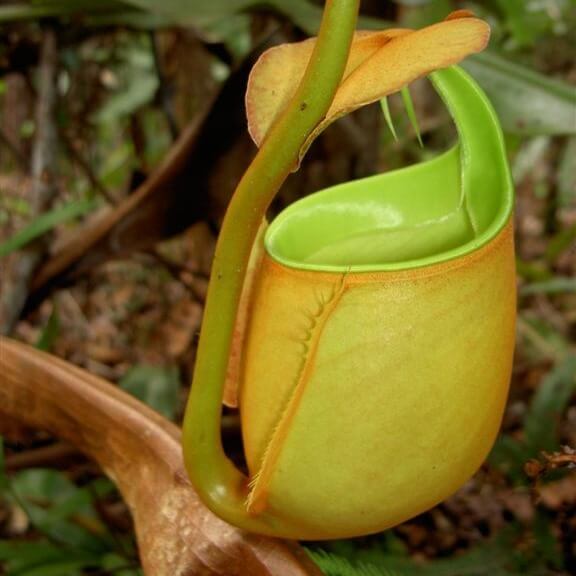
[[221, 486]]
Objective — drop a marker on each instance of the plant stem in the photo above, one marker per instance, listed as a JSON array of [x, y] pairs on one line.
[[222, 487]]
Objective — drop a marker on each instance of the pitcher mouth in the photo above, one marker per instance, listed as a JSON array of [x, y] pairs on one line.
[[432, 212]]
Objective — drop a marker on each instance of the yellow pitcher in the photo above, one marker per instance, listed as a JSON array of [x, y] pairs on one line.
[[378, 342]]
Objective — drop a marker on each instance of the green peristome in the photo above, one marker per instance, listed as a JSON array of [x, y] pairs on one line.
[[416, 216]]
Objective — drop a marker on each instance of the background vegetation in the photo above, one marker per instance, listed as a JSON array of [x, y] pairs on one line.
[[121, 138]]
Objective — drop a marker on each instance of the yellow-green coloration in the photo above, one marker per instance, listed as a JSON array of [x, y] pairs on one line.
[[395, 398], [378, 332], [379, 349]]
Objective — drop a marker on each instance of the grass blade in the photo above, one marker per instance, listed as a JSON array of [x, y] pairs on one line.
[[50, 332], [540, 425], [45, 223], [559, 285]]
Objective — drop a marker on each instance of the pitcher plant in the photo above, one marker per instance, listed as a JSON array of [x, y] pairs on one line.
[[368, 331]]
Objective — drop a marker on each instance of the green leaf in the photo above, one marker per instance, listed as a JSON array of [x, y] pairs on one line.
[[532, 271], [44, 559], [184, 12], [153, 14], [50, 332], [55, 9], [192, 12], [78, 541], [45, 223], [117, 565], [307, 15], [180, 12], [303, 13], [547, 546], [497, 556], [552, 397], [509, 455], [558, 285], [334, 565], [522, 27], [527, 102], [157, 386], [542, 341], [128, 18], [421, 13], [140, 83], [560, 243], [529, 154], [52, 503]]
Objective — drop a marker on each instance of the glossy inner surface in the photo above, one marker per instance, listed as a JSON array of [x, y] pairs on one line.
[[427, 213]]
